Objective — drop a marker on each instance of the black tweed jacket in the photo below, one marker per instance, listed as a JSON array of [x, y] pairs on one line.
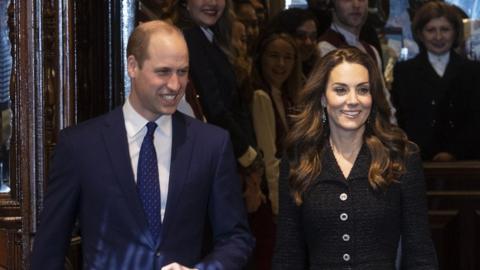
[[345, 224], [439, 114]]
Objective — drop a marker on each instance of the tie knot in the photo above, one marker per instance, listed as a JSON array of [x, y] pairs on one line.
[[151, 126]]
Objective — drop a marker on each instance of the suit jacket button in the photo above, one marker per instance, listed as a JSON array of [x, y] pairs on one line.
[[158, 254]]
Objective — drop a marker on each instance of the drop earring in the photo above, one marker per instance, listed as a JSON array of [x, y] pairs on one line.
[[324, 116]]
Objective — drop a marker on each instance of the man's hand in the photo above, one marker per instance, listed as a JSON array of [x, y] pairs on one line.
[[176, 266]]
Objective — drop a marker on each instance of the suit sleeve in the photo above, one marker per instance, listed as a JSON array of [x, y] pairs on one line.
[[290, 246], [233, 242], [418, 251], [60, 210]]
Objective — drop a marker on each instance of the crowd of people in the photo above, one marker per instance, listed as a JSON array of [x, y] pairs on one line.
[[328, 157], [274, 57]]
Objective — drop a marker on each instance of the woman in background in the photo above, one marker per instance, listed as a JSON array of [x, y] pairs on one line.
[[207, 26], [353, 184], [302, 25], [436, 92], [276, 78]]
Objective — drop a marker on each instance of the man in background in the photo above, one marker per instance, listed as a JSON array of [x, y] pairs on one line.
[[348, 19]]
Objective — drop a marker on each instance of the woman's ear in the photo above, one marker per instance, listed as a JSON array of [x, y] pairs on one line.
[[323, 101]]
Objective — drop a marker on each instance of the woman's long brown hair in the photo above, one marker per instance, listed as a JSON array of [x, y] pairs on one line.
[[388, 144]]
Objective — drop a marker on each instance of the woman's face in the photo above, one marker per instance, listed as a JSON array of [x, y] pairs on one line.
[[205, 12], [239, 37], [306, 38], [347, 98], [438, 35], [277, 62]]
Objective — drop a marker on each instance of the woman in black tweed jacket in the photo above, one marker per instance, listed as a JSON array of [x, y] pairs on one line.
[[353, 184], [436, 93]]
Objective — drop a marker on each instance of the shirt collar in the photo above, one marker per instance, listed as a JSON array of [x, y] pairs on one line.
[[441, 59], [208, 33], [439, 62], [134, 122], [350, 37]]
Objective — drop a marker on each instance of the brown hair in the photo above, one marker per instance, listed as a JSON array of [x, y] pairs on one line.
[[388, 144], [140, 38], [222, 29], [432, 10], [294, 80]]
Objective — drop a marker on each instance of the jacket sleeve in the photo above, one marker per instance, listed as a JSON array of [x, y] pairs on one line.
[[290, 246], [263, 118], [233, 242], [418, 251], [60, 210]]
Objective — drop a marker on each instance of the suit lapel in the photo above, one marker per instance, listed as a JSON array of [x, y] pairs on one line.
[[453, 67], [433, 86], [179, 167], [115, 137]]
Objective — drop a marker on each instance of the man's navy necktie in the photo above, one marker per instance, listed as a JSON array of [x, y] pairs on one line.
[[148, 185]]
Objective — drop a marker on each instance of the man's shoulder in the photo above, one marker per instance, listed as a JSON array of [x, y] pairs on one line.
[[92, 126], [325, 47], [197, 127], [330, 34]]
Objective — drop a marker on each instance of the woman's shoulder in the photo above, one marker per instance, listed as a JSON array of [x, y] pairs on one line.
[[407, 65], [261, 99], [260, 93]]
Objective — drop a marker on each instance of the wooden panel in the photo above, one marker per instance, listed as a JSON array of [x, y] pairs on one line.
[[3, 249], [439, 222], [10, 249], [453, 192]]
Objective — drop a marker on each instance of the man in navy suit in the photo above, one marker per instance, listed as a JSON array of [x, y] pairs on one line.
[[94, 177]]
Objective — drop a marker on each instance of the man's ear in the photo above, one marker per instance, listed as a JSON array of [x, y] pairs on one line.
[[132, 66]]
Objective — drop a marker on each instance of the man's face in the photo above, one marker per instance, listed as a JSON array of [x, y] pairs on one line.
[[159, 85], [350, 14], [260, 11], [306, 39]]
